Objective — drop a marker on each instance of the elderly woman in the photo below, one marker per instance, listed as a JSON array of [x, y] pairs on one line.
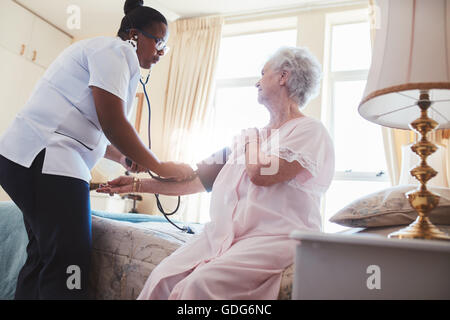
[[244, 249]]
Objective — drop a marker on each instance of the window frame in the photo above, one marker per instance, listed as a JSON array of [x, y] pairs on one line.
[[330, 79]]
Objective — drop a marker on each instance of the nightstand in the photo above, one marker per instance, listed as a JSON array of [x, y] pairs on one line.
[[134, 198], [105, 202], [338, 266]]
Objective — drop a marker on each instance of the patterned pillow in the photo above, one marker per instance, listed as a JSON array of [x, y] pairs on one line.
[[390, 207]]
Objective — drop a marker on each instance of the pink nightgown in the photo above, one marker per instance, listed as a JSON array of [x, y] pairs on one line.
[[244, 249]]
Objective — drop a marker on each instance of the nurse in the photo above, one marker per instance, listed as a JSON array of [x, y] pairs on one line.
[[77, 114]]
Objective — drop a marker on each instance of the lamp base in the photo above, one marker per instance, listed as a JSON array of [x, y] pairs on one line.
[[422, 228], [422, 200]]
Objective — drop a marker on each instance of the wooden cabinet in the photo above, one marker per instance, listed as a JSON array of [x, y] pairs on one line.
[[27, 35], [17, 81], [28, 45], [16, 24], [31, 73], [46, 43]]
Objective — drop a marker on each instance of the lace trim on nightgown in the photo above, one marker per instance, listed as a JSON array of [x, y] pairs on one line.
[[304, 160]]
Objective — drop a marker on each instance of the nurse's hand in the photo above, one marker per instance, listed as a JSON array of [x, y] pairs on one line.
[[135, 168], [123, 184], [176, 171]]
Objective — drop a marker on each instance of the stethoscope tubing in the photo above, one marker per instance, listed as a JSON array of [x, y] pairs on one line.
[[186, 229]]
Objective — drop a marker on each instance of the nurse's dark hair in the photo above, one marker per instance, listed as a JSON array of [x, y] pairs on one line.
[[138, 16]]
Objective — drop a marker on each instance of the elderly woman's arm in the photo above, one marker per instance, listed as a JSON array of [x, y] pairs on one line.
[[266, 170], [172, 188], [125, 184]]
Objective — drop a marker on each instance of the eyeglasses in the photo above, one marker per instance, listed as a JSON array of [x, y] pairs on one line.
[[160, 43]]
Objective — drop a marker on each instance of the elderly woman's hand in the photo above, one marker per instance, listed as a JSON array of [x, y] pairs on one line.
[[123, 184]]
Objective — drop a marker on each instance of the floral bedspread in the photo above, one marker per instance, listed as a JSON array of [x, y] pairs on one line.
[[124, 254]]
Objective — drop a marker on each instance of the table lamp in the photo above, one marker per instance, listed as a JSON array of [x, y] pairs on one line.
[[438, 161], [408, 86]]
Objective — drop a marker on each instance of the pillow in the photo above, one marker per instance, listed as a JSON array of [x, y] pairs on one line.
[[390, 207]]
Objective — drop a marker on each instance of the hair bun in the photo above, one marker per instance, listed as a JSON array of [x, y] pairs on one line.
[[130, 5]]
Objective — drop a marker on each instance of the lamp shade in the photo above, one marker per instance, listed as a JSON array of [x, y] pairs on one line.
[[411, 53]]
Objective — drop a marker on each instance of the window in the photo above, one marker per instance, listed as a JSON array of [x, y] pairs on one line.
[[360, 163], [235, 106], [241, 59]]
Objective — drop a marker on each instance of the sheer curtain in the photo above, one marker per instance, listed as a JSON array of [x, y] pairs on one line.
[[189, 90], [394, 139]]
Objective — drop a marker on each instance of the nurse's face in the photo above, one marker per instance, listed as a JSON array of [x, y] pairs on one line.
[[147, 51]]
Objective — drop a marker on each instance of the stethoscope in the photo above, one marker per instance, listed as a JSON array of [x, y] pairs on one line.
[[186, 229]]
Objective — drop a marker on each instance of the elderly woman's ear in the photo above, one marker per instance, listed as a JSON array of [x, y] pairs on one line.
[[284, 77]]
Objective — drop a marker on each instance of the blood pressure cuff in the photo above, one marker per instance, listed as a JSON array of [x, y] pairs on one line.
[[209, 168]]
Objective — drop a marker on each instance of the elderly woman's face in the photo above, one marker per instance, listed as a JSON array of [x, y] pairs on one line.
[[268, 85]]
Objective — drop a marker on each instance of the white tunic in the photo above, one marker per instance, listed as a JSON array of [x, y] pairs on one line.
[[60, 114]]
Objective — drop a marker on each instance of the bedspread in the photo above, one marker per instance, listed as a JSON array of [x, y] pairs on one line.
[[124, 254], [126, 248], [13, 244]]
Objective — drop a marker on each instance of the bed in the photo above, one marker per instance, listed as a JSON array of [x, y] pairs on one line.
[[126, 247]]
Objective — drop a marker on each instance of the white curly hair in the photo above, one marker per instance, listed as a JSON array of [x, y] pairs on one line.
[[305, 72]]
